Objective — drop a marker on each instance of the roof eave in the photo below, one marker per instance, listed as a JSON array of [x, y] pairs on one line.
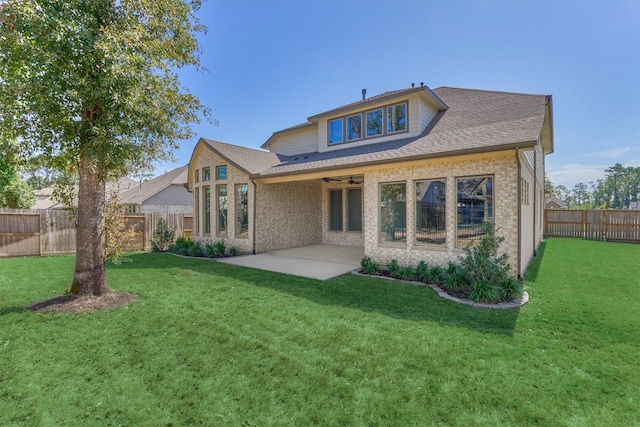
[[456, 153]]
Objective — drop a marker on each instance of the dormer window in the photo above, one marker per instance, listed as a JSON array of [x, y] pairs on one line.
[[354, 127], [397, 118], [369, 124]]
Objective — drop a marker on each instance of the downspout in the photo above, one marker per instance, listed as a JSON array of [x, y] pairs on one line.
[[255, 199], [519, 204], [535, 193]]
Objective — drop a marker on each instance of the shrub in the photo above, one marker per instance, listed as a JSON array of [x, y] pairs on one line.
[[394, 269], [219, 248], [454, 278], [195, 250], [487, 272], [406, 273], [435, 275], [368, 266], [182, 246], [233, 251], [162, 237], [210, 249], [422, 271]]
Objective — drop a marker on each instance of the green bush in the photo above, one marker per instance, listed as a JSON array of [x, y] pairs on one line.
[[182, 246], [219, 248], [162, 237], [435, 275], [454, 278], [394, 269], [196, 250], [210, 249], [487, 272], [406, 273], [422, 271], [369, 266], [233, 251]]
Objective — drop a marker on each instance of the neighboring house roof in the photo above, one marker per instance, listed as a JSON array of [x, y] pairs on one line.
[[552, 202], [474, 121], [44, 196], [143, 191]]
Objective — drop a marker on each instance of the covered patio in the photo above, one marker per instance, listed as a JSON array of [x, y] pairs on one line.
[[320, 262]]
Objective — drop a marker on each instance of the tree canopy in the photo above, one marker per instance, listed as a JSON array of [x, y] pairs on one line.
[[91, 87]]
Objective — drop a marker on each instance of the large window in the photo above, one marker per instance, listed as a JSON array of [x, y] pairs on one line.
[[368, 124], [354, 127], [196, 211], [354, 209], [393, 212], [206, 174], [475, 208], [242, 209], [206, 209], [222, 208], [335, 210], [397, 118], [430, 211]]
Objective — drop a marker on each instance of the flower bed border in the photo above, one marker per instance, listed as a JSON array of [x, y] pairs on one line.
[[516, 303]]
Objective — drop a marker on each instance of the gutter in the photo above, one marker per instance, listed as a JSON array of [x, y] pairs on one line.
[[519, 204]]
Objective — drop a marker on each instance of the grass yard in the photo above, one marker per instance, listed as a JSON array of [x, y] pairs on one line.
[[211, 344]]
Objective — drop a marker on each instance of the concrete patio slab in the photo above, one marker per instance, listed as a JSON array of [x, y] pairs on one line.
[[320, 262]]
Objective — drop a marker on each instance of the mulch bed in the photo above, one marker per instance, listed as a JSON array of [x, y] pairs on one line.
[[82, 304]]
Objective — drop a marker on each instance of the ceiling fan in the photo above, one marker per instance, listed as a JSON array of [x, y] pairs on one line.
[[351, 181], [330, 179]]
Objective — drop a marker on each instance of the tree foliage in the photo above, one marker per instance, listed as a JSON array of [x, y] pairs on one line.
[[14, 192], [617, 190], [90, 86]]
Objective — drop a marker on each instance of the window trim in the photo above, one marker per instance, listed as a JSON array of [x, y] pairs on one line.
[[206, 174]]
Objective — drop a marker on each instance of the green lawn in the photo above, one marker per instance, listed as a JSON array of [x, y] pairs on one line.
[[212, 344]]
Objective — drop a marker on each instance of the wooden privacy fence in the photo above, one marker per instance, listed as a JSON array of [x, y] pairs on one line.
[[597, 224], [53, 231]]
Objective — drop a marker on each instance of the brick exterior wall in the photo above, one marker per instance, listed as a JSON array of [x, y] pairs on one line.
[[207, 158], [505, 199], [288, 215]]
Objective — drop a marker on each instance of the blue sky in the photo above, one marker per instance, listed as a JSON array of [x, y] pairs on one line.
[[272, 64]]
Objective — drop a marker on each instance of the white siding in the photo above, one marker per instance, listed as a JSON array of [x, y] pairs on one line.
[[295, 142], [426, 115]]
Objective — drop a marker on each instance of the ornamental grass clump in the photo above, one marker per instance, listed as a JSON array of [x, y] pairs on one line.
[[369, 266]]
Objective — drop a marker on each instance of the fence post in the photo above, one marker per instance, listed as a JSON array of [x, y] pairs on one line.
[[604, 225]]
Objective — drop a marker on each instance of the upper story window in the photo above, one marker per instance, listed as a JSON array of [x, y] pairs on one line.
[[374, 122], [206, 174], [221, 172], [196, 174], [397, 118], [335, 131], [369, 124], [354, 127]]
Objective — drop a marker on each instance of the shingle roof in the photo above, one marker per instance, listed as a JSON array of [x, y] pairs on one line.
[[141, 192], [474, 121], [248, 159]]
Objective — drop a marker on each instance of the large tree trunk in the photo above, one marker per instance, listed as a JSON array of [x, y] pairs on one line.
[[90, 274]]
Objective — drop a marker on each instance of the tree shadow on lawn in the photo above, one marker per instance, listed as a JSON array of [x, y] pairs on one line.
[[395, 299]]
